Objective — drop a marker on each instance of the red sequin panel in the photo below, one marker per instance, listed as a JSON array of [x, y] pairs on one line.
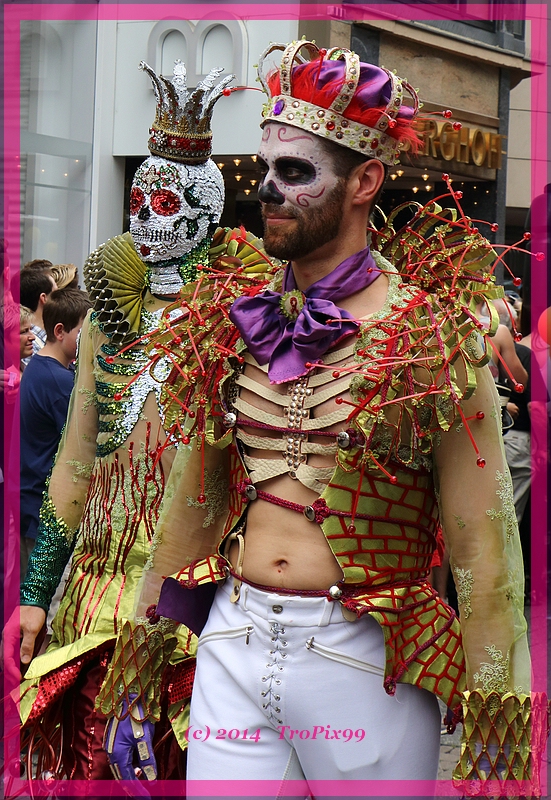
[[178, 681], [53, 685]]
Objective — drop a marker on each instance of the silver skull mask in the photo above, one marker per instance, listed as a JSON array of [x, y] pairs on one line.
[[172, 207]]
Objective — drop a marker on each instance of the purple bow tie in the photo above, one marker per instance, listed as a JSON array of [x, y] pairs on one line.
[[289, 329]]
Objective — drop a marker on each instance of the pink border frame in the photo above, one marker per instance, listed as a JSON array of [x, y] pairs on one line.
[[13, 15]]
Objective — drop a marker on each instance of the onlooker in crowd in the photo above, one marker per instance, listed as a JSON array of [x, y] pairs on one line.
[[45, 391], [38, 264], [35, 285], [65, 276]]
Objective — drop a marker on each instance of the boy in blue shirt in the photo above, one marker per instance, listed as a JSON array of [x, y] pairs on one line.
[[46, 387]]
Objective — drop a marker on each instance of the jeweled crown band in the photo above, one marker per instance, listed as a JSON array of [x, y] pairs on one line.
[[187, 150], [324, 122]]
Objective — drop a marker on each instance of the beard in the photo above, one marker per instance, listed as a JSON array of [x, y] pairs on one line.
[[313, 227]]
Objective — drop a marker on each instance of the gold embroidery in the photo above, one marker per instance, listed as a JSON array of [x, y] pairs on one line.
[[464, 582], [507, 513], [90, 398], [81, 470], [494, 677], [215, 494], [460, 522]]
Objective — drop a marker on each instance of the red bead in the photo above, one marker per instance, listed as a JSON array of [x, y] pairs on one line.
[[445, 177], [527, 236], [392, 123], [458, 195], [330, 126], [517, 281], [226, 92], [494, 227], [339, 401], [447, 114], [117, 396], [177, 340], [480, 414], [308, 365], [191, 414], [480, 462], [519, 388], [540, 256], [457, 126], [351, 529], [393, 479], [110, 359], [518, 337], [186, 439], [336, 374], [201, 499]]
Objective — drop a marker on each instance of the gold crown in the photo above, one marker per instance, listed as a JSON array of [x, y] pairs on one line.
[[332, 122], [181, 130]]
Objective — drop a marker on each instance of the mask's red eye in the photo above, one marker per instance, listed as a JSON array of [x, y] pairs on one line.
[[136, 199], [164, 202]]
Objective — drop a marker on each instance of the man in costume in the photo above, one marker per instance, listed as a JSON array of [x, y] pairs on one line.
[[359, 415], [111, 482]]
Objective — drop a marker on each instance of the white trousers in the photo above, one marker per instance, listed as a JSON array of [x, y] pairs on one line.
[[286, 688]]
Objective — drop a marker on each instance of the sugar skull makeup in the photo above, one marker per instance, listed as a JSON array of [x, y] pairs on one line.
[[173, 206], [302, 197], [298, 173]]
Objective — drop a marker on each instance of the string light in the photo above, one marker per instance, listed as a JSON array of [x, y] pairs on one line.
[[393, 176], [247, 191], [254, 158], [399, 172], [237, 161], [238, 177], [425, 176], [428, 187], [220, 164], [415, 189], [253, 183]]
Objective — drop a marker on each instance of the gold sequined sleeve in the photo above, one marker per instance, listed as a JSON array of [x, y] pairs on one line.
[[481, 534], [68, 485]]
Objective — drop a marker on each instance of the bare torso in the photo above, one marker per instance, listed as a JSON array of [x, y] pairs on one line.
[[282, 548]]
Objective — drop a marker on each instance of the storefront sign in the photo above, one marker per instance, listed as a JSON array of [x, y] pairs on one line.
[[466, 145]]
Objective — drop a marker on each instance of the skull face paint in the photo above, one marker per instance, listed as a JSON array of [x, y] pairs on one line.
[[301, 195], [296, 169], [173, 206]]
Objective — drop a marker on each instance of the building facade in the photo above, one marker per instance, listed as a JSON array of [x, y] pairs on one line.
[[86, 111]]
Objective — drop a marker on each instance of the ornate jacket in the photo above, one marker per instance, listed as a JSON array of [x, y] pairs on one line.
[[416, 440], [378, 505], [111, 482]]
